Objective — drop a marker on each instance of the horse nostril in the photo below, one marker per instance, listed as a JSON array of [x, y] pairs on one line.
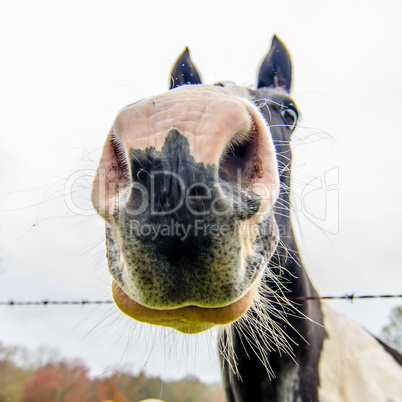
[[239, 160], [232, 163]]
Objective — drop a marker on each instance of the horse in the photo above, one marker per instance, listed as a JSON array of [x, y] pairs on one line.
[[194, 187]]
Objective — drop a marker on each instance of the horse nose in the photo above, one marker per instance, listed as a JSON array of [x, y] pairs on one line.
[[178, 214]]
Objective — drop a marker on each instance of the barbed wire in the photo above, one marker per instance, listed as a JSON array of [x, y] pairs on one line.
[[349, 297], [54, 302]]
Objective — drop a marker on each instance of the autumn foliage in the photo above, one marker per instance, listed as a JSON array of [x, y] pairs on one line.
[[69, 381]]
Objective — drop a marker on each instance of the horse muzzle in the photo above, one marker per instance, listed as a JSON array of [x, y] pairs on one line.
[[186, 184]]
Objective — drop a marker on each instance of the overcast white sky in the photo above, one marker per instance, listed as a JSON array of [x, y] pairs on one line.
[[68, 67]]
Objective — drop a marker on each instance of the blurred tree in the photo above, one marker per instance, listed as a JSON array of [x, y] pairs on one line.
[[65, 381], [107, 389], [21, 380], [60, 381], [12, 377], [187, 390], [139, 387], [392, 333]]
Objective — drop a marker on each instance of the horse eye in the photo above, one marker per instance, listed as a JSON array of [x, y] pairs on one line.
[[289, 116]]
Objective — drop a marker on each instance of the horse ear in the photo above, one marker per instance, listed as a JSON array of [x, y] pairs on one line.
[[184, 71], [276, 69]]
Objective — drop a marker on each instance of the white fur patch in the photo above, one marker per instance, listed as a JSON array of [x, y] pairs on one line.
[[354, 366]]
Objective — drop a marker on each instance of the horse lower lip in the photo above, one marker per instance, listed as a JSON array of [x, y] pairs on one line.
[[190, 319]]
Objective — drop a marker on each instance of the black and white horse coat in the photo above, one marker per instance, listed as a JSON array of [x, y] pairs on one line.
[[194, 188]]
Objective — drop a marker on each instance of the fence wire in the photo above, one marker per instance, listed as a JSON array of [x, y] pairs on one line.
[[349, 297]]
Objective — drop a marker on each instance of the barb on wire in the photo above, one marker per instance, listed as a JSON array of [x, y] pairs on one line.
[[351, 297]]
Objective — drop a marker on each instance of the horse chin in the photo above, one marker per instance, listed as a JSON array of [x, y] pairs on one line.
[[188, 320]]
